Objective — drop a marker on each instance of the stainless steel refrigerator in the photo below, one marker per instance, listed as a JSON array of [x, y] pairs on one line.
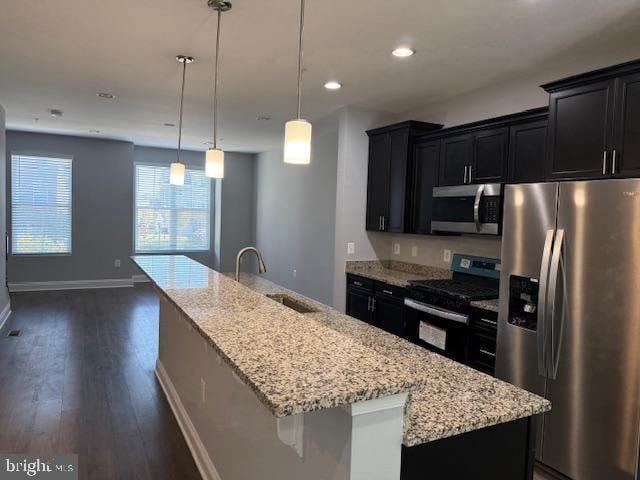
[[569, 321]]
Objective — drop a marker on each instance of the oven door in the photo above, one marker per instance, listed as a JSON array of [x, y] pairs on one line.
[[438, 329], [467, 209]]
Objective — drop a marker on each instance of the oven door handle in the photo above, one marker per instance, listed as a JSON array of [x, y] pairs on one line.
[[476, 206], [437, 312]]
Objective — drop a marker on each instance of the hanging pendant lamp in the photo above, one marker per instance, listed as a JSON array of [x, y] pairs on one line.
[[214, 161], [297, 133], [176, 171]]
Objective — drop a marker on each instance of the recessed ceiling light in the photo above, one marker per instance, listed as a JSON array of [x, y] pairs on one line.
[[55, 112], [333, 85], [169, 124], [403, 52], [108, 96], [207, 143], [263, 119], [95, 131]]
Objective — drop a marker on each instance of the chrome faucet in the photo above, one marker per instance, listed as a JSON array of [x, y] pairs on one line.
[[261, 266]]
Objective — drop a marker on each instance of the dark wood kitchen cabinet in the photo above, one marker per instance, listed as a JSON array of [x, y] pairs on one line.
[[456, 155], [580, 131], [376, 303], [594, 121], [477, 157], [626, 162], [426, 162], [527, 152], [389, 175], [489, 156]]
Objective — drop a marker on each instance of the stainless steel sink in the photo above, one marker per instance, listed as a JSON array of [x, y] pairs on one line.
[[291, 303]]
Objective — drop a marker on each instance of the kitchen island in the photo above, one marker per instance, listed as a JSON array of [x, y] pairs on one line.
[[261, 390]]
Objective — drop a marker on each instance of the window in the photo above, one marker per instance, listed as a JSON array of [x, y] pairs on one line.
[[170, 218], [40, 205]]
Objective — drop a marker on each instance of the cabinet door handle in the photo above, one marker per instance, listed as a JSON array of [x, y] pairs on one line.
[[604, 162], [470, 173], [373, 304], [384, 220], [380, 222], [493, 323], [465, 174], [487, 352], [613, 163], [388, 292], [359, 284], [368, 304]]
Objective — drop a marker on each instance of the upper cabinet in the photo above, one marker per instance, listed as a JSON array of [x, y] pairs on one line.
[[426, 162], [527, 151], [476, 157], [594, 120], [390, 176], [627, 127]]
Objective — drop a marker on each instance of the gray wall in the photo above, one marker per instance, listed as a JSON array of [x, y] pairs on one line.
[[102, 209], [103, 205], [4, 295], [295, 215], [236, 196]]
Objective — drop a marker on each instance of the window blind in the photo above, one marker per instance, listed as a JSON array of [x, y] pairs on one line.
[[40, 205], [171, 218]]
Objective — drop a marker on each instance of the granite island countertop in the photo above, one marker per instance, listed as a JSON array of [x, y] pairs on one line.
[[394, 272], [292, 362], [455, 399]]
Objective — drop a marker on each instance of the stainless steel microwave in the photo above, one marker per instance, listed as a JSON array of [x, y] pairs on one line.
[[467, 209]]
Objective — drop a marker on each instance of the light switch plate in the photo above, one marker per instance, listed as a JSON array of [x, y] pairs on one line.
[[414, 250], [351, 248], [396, 249], [447, 256], [116, 263]]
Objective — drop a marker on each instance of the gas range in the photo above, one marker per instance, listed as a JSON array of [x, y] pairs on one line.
[[438, 311]]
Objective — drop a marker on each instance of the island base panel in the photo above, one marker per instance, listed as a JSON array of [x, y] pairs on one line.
[[500, 452]]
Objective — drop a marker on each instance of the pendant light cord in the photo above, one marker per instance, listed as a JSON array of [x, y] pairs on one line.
[[300, 58], [215, 84], [184, 73]]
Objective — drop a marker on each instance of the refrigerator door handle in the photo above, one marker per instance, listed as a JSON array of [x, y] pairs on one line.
[[541, 330], [554, 343], [476, 206]]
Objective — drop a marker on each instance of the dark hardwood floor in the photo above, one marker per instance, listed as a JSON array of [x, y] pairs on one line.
[[79, 379]]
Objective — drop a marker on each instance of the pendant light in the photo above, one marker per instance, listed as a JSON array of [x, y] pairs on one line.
[[176, 171], [297, 133], [214, 161]]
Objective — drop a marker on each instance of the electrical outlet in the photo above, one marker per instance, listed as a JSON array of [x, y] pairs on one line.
[[116, 263], [351, 248], [294, 273], [447, 256], [203, 390], [414, 250], [396, 249]]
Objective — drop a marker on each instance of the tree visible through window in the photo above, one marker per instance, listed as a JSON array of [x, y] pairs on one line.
[[40, 205], [171, 218]]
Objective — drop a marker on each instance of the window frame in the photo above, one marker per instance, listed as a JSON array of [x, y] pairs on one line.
[[43, 154], [135, 209]]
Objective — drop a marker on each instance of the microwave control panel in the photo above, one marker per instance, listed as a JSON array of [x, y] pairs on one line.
[[491, 210]]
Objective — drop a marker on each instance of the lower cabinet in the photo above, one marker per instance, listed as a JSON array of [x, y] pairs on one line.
[[483, 332], [376, 303]]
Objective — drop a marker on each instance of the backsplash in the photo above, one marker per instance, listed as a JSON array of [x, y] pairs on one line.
[[430, 249]]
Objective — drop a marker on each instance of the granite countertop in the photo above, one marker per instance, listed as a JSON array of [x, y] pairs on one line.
[[455, 398], [394, 272], [291, 361], [489, 305]]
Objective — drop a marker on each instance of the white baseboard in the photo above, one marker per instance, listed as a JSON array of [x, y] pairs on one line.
[[198, 450], [70, 285], [4, 314], [140, 278]]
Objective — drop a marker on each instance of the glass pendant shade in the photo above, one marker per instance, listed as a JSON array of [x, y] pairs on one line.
[[214, 163], [297, 142], [176, 174]]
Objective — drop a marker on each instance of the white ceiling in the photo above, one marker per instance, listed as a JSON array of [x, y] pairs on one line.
[[59, 53]]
